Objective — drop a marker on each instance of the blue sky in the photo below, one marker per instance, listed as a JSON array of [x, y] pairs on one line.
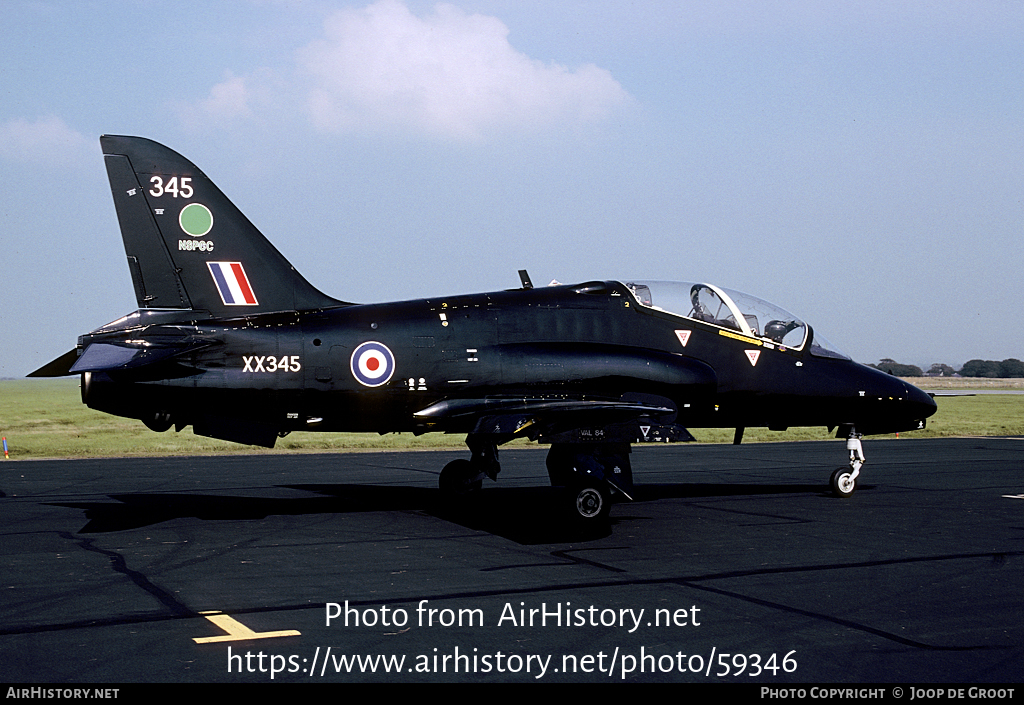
[[860, 164]]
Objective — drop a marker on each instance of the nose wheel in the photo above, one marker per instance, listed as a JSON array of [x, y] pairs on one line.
[[844, 480]]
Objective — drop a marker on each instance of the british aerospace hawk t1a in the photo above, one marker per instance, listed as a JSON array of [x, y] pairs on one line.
[[230, 339]]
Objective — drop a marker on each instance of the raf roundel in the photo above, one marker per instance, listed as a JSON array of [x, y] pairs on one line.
[[372, 364]]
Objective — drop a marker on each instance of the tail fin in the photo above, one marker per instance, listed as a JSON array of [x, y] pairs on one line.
[[188, 246]]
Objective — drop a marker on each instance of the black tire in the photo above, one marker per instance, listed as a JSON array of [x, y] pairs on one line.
[[454, 478], [842, 482], [559, 465], [160, 421], [589, 503]]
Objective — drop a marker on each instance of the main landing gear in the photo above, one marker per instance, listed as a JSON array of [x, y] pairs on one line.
[[844, 480], [461, 477], [589, 476], [588, 502], [585, 496], [592, 476]]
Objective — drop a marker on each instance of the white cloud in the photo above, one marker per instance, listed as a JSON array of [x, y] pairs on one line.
[[449, 73], [228, 99], [45, 141], [233, 99]]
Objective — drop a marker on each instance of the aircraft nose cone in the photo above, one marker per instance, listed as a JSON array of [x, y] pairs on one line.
[[892, 405], [921, 402]]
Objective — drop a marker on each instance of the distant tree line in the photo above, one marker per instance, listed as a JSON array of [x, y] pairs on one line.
[[990, 368], [972, 368]]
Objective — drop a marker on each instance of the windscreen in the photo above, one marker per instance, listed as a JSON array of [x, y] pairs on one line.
[[733, 310]]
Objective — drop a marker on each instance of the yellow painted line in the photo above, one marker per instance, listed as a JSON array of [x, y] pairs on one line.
[[739, 336], [236, 631]]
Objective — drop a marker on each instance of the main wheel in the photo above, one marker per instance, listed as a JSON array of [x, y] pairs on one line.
[[455, 478], [160, 421], [589, 503], [559, 464], [843, 483]]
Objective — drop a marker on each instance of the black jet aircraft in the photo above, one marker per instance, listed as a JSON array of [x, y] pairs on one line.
[[230, 339]]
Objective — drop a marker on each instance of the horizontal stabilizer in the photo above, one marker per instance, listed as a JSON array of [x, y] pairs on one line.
[[104, 356], [61, 367], [109, 356]]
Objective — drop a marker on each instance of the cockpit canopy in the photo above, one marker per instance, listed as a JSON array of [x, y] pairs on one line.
[[732, 310]]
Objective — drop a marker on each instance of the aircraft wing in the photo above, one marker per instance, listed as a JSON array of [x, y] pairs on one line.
[[550, 418]]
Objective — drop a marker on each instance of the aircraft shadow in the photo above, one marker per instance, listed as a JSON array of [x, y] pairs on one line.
[[135, 510], [697, 490], [525, 515]]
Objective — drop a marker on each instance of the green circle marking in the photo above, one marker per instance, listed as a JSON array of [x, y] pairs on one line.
[[196, 219]]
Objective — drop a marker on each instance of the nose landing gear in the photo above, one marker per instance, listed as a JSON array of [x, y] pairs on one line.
[[844, 480]]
